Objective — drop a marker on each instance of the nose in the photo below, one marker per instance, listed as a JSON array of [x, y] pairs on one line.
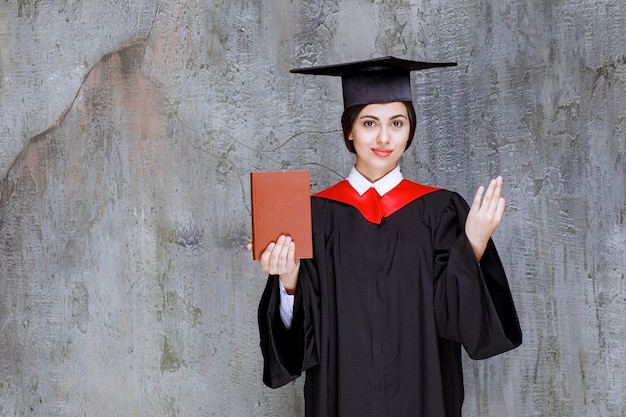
[[383, 137]]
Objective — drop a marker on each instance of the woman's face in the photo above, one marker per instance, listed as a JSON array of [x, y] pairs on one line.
[[380, 134]]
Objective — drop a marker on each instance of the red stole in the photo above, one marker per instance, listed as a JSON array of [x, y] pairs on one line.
[[372, 206]]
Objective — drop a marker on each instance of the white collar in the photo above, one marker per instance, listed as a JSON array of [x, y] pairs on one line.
[[382, 186]]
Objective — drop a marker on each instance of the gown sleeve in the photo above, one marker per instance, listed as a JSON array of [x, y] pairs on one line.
[[288, 352], [473, 302]]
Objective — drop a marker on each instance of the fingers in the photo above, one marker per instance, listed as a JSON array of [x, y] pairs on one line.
[[497, 203], [489, 194], [280, 252], [500, 209], [279, 258], [478, 198], [291, 255], [485, 215], [492, 196], [264, 260], [491, 201]]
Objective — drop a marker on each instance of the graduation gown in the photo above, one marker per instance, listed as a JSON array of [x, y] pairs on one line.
[[383, 308]]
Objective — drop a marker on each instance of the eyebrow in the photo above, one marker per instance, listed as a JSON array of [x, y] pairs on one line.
[[376, 118]]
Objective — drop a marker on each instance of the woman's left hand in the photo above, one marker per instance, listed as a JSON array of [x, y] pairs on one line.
[[484, 216]]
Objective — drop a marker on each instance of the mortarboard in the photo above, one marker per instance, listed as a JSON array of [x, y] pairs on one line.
[[378, 80]]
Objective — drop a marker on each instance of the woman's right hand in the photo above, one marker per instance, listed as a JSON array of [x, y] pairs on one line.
[[485, 216], [279, 259]]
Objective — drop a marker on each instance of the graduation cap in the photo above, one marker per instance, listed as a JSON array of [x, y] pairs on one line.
[[378, 80]]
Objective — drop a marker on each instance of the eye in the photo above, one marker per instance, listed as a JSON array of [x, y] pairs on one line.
[[397, 123], [368, 123]]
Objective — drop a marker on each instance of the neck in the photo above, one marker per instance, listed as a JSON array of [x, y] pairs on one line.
[[374, 176]]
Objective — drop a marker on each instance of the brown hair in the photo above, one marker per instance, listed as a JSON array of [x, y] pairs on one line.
[[350, 114]]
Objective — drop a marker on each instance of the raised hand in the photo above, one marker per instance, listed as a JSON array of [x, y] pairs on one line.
[[485, 216], [279, 259]]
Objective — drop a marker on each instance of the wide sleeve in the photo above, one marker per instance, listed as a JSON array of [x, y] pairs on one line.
[[473, 302], [287, 352]]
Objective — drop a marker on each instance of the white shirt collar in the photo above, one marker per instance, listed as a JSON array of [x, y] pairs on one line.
[[382, 186]]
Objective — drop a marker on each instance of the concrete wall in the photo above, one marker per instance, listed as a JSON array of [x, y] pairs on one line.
[[128, 129]]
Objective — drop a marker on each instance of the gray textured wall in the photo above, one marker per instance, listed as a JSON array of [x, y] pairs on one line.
[[128, 129]]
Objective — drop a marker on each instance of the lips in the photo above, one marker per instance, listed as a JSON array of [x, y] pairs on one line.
[[382, 152]]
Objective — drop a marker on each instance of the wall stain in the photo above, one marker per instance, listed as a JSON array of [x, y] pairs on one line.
[[27, 8], [80, 306], [186, 237], [171, 358], [176, 308], [607, 73]]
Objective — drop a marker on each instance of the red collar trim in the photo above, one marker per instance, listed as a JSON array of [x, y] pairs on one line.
[[371, 205]]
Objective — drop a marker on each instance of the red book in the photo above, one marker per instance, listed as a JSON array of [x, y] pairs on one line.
[[281, 204]]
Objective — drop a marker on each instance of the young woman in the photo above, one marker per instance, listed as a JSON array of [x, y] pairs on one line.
[[402, 276]]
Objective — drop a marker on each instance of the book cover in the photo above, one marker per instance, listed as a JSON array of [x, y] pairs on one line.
[[281, 204]]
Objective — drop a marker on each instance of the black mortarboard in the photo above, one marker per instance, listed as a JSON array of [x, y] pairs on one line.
[[378, 80]]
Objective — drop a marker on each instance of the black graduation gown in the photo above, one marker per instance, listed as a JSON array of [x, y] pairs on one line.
[[381, 311]]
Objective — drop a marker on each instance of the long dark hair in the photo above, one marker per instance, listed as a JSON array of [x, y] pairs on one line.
[[351, 113]]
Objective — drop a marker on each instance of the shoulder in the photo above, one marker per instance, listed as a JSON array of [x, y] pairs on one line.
[[340, 194], [446, 200], [341, 189], [434, 193], [408, 184], [440, 204]]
